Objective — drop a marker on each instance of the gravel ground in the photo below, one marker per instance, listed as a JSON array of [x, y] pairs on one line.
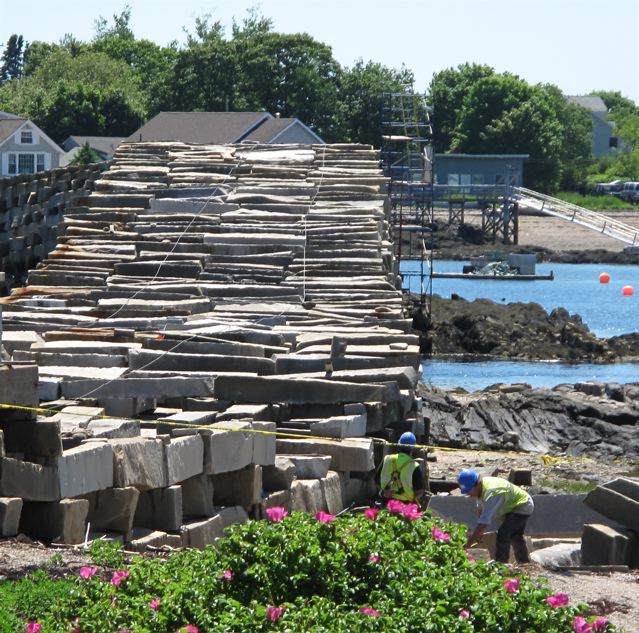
[[559, 235]]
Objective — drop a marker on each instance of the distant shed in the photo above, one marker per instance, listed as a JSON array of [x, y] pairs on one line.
[[480, 169]]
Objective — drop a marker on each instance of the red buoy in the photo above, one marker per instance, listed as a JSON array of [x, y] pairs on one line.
[[604, 278], [628, 291]]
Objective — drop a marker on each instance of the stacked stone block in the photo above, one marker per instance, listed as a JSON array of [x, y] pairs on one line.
[[203, 298], [617, 500]]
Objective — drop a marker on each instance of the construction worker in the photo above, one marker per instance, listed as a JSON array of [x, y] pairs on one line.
[[401, 476], [500, 499]]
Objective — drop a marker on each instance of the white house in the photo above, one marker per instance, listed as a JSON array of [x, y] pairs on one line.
[[24, 147]]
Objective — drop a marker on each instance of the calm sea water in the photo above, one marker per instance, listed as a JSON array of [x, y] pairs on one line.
[[576, 287], [475, 376]]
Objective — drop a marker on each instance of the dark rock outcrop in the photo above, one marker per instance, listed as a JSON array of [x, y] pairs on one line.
[[517, 330], [580, 419]]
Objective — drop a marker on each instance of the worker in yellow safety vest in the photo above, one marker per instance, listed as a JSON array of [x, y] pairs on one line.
[[401, 476], [499, 499]]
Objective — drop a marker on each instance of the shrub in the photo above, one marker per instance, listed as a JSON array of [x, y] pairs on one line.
[[391, 571]]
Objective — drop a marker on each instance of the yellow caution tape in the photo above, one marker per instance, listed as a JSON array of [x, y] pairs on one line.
[[548, 460]]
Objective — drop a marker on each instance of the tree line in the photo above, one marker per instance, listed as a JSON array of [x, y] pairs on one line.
[[112, 84]]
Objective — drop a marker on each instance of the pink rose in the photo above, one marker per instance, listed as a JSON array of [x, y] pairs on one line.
[[274, 613], [154, 604], [87, 572], [371, 513], [600, 624], [394, 506], [373, 558], [439, 536], [579, 625], [276, 514], [188, 628], [227, 574], [411, 512], [119, 577], [34, 627], [324, 517], [464, 613], [371, 612], [558, 600], [511, 585]]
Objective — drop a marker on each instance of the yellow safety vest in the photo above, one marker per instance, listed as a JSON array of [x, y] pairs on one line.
[[514, 496], [397, 475]]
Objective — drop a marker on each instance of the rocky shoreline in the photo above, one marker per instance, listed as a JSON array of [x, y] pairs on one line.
[[590, 419], [483, 329]]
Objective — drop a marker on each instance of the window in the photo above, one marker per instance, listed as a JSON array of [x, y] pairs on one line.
[[12, 165], [453, 180], [499, 179], [478, 179], [613, 142], [40, 162], [26, 137], [26, 163]]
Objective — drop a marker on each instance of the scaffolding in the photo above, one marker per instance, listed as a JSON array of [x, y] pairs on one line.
[[407, 157]]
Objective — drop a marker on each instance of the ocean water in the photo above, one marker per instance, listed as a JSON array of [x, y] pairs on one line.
[[602, 307], [576, 287], [478, 375]]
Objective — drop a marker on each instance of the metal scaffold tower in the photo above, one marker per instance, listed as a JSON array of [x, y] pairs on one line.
[[407, 156]]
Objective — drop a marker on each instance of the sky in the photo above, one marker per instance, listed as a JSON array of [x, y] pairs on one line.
[[578, 45]]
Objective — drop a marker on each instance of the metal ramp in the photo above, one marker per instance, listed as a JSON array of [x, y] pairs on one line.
[[574, 213]]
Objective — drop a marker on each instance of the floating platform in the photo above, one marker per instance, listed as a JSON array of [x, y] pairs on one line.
[[515, 277]]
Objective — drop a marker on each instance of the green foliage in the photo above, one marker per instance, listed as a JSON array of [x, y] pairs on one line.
[[321, 575], [85, 156], [25, 599], [361, 88], [90, 95], [594, 203], [107, 554], [480, 111], [292, 74], [12, 59]]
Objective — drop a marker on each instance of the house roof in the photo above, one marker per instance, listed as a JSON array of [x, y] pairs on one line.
[[8, 115], [9, 126], [200, 127], [590, 102], [270, 129], [104, 144]]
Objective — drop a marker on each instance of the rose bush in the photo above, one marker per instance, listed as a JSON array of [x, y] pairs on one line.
[[386, 571]]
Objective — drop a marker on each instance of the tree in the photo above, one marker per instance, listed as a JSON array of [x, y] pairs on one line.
[[203, 78], [294, 75], [446, 95], [360, 92], [12, 59], [90, 95], [85, 156], [482, 111]]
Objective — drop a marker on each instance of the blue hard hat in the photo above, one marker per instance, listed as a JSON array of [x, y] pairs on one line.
[[408, 438], [467, 480]]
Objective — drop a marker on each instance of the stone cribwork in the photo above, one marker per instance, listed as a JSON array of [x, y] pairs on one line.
[[199, 300], [31, 207]]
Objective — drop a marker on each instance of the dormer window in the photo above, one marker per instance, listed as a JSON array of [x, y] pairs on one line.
[[26, 137]]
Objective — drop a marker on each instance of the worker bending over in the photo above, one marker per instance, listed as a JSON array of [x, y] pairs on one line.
[[499, 498], [401, 476]]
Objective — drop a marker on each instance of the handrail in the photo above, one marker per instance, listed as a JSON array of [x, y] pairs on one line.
[[579, 215]]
